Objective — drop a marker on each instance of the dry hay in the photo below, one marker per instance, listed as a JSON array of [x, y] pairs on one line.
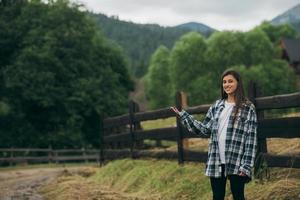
[[284, 146], [75, 185]]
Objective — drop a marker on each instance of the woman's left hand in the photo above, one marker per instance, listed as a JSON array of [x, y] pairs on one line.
[[242, 174]]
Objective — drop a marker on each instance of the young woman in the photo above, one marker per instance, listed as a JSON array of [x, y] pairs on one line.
[[231, 123]]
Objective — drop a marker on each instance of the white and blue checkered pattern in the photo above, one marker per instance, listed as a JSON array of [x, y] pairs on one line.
[[241, 138]]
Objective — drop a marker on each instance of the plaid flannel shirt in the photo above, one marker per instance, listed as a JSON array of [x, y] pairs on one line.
[[241, 138]]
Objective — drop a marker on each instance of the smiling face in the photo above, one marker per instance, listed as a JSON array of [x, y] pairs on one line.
[[229, 84]]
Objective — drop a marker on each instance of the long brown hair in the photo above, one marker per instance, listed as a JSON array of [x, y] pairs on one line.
[[239, 94]]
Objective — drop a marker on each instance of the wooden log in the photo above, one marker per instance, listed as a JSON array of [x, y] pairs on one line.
[[102, 144], [160, 114], [161, 133], [116, 121], [201, 109], [23, 150], [181, 102], [195, 156], [11, 156], [50, 157], [278, 101], [77, 158], [137, 127], [153, 115], [279, 128], [131, 125], [187, 134], [154, 134], [124, 137], [253, 93], [111, 154], [282, 161], [23, 159]]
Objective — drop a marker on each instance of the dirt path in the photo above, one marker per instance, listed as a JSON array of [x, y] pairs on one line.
[[23, 184]]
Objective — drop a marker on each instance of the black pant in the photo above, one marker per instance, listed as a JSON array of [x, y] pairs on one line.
[[237, 185]]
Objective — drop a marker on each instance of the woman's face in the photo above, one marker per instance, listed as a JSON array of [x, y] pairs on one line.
[[229, 84]]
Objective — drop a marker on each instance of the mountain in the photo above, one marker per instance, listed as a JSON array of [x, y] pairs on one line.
[[291, 16], [195, 26], [139, 41]]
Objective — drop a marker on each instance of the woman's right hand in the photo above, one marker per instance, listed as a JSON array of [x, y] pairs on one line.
[[175, 109]]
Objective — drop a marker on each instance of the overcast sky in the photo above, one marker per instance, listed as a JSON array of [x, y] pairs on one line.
[[219, 14]]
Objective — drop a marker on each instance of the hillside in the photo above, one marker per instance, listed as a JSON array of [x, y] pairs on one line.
[[139, 41], [291, 16], [194, 26]]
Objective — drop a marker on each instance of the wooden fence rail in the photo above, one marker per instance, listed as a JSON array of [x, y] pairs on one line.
[[23, 155], [267, 128]]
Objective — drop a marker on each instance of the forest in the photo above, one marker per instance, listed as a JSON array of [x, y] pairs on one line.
[[59, 76], [195, 63]]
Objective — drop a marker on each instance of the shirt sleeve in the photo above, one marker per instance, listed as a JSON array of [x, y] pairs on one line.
[[248, 158], [196, 126]]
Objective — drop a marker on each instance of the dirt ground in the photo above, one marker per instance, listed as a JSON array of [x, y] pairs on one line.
[[24, 184]]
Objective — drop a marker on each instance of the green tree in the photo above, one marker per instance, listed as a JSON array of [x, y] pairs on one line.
[[225, 49], [259, 48], [62, 77], [275, 77], [188, 61], [276, 33], [139, 40], [158, 86], [204, 89]]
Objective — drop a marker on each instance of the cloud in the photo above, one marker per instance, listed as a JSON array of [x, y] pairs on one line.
[[229, 14]]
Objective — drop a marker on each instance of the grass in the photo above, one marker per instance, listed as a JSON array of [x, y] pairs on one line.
[[159, 123], [287, 112], [141, 179], [155, 180], [163, 179]]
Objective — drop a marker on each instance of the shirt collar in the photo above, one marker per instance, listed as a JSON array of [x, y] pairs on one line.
[[222, 103]]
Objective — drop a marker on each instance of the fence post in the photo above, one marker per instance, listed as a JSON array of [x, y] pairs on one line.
[[49, 154], [84, 155], [56, 157], [11, 156], [253, 92], [131, 125], [101, 153], [137, 126], [181, 102]]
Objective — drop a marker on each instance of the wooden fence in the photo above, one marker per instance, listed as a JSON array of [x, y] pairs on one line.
[[21, 155], [116, 138], [123, 137]]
